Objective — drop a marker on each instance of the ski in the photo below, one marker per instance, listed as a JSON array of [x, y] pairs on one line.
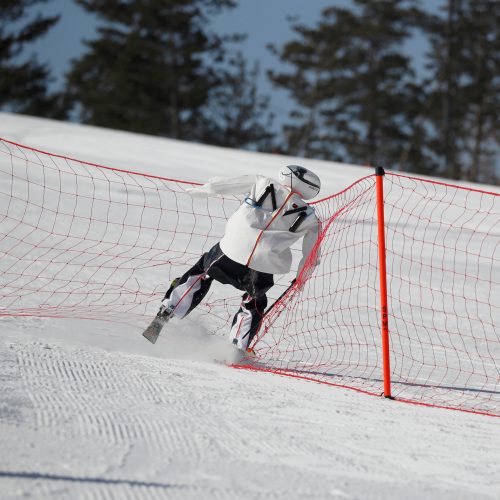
[[152, 332]]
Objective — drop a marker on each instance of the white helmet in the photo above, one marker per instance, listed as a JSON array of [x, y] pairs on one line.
[[300, 180]]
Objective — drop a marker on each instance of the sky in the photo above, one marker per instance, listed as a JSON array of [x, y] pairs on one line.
[[264, 21]]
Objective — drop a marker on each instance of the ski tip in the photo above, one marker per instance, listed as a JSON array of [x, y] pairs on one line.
[[151, 336], [152, 332]]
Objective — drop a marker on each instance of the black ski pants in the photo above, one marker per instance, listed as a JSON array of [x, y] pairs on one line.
[[189, 290]]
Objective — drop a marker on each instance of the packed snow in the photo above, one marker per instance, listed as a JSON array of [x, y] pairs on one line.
[[90, 410]]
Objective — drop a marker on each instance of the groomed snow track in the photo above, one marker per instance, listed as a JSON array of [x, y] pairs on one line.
[[89, 411]]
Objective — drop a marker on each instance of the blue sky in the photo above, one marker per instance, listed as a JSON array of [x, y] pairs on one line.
[[264, 21]]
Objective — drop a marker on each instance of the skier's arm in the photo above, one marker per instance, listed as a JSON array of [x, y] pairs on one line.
[[226, 186], [308, 243]]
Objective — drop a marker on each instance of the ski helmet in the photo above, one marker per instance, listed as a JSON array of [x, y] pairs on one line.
[[300, 180]]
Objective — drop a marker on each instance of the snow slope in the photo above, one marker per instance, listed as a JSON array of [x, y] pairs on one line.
[[90, 410]]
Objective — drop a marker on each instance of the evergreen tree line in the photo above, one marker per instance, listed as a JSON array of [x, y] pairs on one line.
[[157, 67]]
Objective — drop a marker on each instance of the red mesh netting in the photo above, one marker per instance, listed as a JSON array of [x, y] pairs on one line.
[[85, 241], [443, 273]]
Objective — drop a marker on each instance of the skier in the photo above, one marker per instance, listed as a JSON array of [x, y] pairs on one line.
[[256, 245]]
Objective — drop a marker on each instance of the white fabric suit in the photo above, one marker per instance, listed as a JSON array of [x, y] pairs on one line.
[[262, 230], [256, 245]]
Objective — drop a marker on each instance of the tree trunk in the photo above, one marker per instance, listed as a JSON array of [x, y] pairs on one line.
[[450, 163], [478, 142], [480, 118], [372, 115]]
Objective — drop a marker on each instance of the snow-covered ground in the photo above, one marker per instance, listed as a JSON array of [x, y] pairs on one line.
[[90, 410]]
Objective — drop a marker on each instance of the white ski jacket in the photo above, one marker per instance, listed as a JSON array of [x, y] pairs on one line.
[[271, 219]]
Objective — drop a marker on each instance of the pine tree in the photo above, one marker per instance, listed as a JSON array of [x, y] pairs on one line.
[[23, 80], [357, 93], [152, 67], [464, 88], [482, 66], [238, 115], [302, 134]]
